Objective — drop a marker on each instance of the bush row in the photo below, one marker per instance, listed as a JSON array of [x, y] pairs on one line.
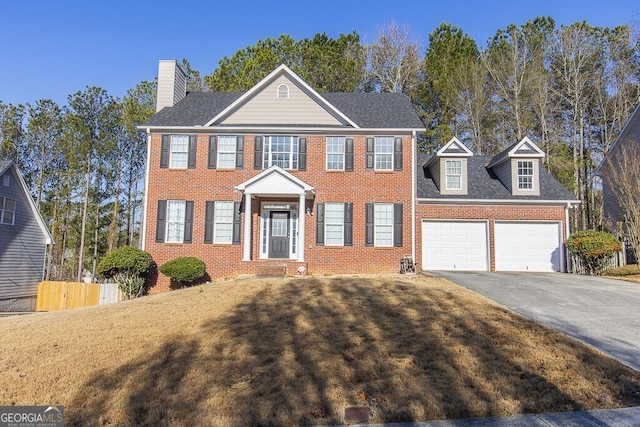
[[131, 267]]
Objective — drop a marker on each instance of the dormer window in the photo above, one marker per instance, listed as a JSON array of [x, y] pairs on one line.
[[518, 168], [449, 168], [453, 176], [283, 92], [525, 175]]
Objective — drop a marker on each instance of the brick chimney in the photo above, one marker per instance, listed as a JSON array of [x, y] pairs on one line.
[[172, 84]]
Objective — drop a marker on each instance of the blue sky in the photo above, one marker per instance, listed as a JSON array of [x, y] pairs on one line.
[[51, 49]]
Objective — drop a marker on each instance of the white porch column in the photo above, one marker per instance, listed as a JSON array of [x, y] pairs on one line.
[[246, 248], [301, 221]]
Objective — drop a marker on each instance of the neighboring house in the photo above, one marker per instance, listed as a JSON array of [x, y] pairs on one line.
[[23, 241], [627, 144], [282, 176], [630, 135], [501, 213]]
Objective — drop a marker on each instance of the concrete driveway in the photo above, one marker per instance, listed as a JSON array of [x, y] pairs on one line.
[[604, 313]]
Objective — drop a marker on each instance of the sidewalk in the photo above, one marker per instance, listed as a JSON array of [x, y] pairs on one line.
[[623, 417]]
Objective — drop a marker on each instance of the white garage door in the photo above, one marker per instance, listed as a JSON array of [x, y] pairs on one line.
[[454, 245], [527, 246]]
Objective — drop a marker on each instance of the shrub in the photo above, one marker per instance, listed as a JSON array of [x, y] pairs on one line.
[[184, 270], [593, 248], [128, 267]]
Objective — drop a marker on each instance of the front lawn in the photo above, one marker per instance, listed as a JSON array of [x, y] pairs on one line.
[[297, 352]]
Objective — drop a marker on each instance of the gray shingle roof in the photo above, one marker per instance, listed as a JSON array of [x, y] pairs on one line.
[[367, 110], [485, 185], [196, 109]]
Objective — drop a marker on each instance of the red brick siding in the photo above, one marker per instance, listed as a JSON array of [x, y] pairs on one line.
[[357, 187], [490, 213]]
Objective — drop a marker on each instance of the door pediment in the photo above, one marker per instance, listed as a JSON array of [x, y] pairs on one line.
[[275, 181]]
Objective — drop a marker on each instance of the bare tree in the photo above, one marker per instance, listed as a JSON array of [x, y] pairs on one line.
[[621, 172], [394, 60]]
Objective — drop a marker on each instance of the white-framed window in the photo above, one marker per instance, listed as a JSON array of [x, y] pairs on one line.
[[175, 221], [179, 151], [223, 223], [283, 92], [525, 175], [334, 224], [335, 152], [383, 224], [383, 153], [7, 210], [453, 174], [227, 152], [282, 151]]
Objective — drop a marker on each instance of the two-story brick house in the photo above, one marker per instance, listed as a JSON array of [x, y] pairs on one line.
[[282, 176]]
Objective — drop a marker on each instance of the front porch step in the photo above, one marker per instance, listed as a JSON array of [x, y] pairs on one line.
[[271, 270]]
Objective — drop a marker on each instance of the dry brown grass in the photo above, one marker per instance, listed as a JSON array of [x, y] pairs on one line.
[[298, 351], [629, 273]]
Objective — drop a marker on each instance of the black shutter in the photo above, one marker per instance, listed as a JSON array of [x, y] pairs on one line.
[[208, 222], [348, 155], [236, 223], [302, 154], [161, 220], [397, 224], [191, 159], [370, 154], [320, 224], [348, 224], [188, 222], [166, 148], [257, 153], [397, 154], [240, 153], [369, 221], [213, 148]]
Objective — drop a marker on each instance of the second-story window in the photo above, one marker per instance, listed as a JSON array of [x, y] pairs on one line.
[[179, 151], [227, 152], [282, 151], [525, 175], [384, 153], [453, 174], [335, 152]]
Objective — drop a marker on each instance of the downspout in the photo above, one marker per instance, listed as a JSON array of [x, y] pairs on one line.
[[414, 148], [567, 233], [143, 232]]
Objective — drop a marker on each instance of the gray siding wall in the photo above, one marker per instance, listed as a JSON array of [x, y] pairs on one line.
[[22, 246], [503, 172], [612, 210], [434, 169], [265, 108]]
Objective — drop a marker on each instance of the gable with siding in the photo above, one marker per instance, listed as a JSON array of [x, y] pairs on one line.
[[295, 107], [23, 243]]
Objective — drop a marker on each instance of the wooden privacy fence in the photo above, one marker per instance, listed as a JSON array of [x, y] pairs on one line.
[[53, 296]]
